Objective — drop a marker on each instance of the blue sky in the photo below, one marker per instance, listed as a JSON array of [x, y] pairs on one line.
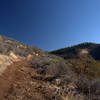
[[51, 24]]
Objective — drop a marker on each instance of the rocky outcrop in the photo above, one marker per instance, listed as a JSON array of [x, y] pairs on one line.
[[8, 60]]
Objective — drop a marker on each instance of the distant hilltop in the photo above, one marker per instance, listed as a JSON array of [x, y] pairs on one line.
[[91, 49]]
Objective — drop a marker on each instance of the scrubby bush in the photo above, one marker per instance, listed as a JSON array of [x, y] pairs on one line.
[[55, 60], [37, 50], [46, 52], [50, 65], [86, 66], [88, 87]]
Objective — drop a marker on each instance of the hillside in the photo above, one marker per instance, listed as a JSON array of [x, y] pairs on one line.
[[12, 50], [82, 58], [28, 73], [8, 45], [91, 49], [46, 78]]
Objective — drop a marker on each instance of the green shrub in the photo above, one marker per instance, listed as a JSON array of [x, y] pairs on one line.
[[55, 60], [1, 38]]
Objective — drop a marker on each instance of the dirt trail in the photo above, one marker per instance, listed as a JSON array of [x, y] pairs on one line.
[[17, 83], [7, 78]]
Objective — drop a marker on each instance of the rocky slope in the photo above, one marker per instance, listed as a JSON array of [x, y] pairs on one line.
[[84, 60], [46, 79], [27, 73], [8, 45], [12, 51]]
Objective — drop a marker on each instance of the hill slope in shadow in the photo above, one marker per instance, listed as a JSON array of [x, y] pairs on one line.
[[91, 49]]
